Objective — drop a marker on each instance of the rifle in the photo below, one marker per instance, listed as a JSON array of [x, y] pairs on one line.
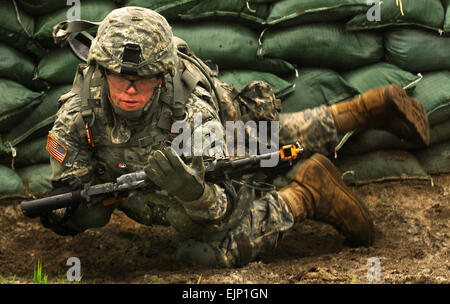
[[216, 171]]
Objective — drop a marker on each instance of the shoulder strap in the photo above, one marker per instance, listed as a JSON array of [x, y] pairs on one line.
[[192, 78], [206, 72], [177, 91], [183, 86], [81, 86], [74, 33], [87, 110]]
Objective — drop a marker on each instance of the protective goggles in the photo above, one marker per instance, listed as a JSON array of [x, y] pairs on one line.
[[141, 84]]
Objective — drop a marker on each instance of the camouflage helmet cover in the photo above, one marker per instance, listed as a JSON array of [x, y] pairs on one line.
[[140, 26]]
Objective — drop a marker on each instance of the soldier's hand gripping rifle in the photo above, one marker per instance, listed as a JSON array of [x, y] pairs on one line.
[[216, 171]]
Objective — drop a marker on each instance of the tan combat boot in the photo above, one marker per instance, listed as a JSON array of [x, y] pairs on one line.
[[388, 108], [318, 192]]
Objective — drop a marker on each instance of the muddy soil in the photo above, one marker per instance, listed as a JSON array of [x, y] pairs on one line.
[[412, 246]]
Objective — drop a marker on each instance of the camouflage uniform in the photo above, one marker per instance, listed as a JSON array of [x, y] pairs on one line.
[[219, 231], [313, 128]]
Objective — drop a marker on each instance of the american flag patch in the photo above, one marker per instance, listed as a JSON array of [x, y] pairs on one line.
[[55, 149]]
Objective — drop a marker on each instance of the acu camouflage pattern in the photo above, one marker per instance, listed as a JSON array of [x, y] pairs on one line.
[[256, 102], [236, 237], [257, 231], [255, 226], [313, 128], [147, 134], [235, 231], [135, 25], [243, 236], [77, 167]]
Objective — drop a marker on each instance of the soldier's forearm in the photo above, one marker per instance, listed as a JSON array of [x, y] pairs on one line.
[[211, 206]]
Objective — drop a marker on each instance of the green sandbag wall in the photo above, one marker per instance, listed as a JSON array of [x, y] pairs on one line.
[[428, 14], [313, 52]]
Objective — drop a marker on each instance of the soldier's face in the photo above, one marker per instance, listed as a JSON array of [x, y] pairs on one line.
[[130, 92]]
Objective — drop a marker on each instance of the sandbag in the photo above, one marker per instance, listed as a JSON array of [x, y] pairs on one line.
[[235, 10], [15, 65], [32, 152], [10, 183], [435, 159], [92, 10], [424, 13], [18, 34], [16, 101], [42, 7], [433, 91], [369, 140], [417, 50], [170, 9], [39, 122], [440, 133], [25, 154], [446, 4], [295, 12], [378, 75], [315, 87], [375, 166], [229, 45], [36, 178], [239, 78], [378, 166], [326, 45], [58, 66]]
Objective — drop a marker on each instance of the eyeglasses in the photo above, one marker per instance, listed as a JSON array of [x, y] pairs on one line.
[[141, 84]]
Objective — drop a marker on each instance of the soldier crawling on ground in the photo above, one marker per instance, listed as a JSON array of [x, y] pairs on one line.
[[118, 118]]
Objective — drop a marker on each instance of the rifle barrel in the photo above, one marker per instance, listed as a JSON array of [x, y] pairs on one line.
[[236, 163], [46, 204]]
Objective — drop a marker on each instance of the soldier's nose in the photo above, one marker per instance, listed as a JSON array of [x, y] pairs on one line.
[[131, 89]]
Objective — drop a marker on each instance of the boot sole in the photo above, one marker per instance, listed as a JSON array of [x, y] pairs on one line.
[[414, 114], [369, 238]]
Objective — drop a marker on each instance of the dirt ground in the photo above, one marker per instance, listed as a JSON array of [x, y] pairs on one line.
[[412, 246]]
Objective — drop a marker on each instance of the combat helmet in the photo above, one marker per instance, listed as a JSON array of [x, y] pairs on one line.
[[134, 40]]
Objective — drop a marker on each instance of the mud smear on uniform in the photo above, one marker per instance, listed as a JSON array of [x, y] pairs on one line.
[[412, 229]]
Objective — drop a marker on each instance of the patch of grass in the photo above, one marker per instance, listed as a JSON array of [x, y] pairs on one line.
[[63, 280], [198, 281], [6, 282], [38, 276]]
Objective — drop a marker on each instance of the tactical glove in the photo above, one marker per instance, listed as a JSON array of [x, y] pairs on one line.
[[55, 220], [168, 171]]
